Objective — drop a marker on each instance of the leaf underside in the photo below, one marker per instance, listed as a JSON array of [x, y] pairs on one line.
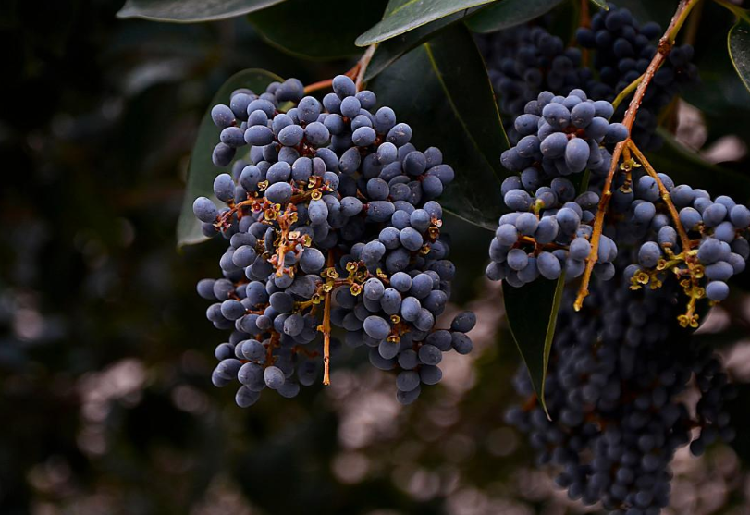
[[405, 15], [201, 172], [191, 11], [532, 314]]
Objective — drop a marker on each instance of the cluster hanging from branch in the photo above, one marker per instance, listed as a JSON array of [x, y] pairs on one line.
[[332, 219], [623, 201], [331, 222], [612, 413]]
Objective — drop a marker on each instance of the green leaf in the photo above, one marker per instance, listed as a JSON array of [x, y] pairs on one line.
[[442, 90], [389, 51], [601, 3], [202, 171], [686, 167], [739, 50], [190, 11], [405, 15], [532, 316], [720, 94], [509, 13], [298, 29]]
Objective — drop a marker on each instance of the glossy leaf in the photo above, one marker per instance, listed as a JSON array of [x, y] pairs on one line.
[[720, 94], [189, 11], [509, 13], [739, 50], [202, 171], [405, 15], [298, 29], [532, 316], [389, 51], [441, 89]]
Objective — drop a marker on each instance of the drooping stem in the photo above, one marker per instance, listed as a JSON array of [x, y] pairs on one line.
[[665, 46], [318, 86], [601, 211], [363, 63], [325, 327], [664, 193], [356, 73], [285, 220], [622, 95]]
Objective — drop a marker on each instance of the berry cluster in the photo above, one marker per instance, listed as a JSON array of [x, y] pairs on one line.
[[613, 393], [332, 221], [676, 230], [547, 231], [715, 244], [624, 49], [526, 60]]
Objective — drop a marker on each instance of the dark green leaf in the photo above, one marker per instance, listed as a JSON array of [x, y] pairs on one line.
[[532, 315], [720, 93], [389, 51], [188, 11], [685, 167], [297, 28], [441, 89], [405, 15], [739, 50], [202, 171], [509, 13]]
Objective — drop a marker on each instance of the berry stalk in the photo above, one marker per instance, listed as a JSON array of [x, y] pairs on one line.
[[665, 46]]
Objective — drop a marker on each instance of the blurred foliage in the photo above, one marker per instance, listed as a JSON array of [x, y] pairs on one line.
[[105, 357]]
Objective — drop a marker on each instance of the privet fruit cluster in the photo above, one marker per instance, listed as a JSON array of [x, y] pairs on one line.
[[526, 60], [331, 221], [614, 389], [615, 413]]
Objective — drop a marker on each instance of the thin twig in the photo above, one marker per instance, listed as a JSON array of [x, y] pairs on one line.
[[664, 193], [325, 327], [363, 63], [356, 73], [601, 211], [665, 46], [622, 95], [318, 86]]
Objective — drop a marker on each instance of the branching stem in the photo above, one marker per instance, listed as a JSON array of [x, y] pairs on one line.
[[325, 327], [665, 46], [318, 86], [356, 73], [664, 193], [363, 63], [622, 95]]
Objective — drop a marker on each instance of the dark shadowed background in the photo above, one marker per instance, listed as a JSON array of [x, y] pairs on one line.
[[106, 402]]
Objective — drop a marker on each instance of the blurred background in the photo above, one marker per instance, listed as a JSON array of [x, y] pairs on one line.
[[106, 403]]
